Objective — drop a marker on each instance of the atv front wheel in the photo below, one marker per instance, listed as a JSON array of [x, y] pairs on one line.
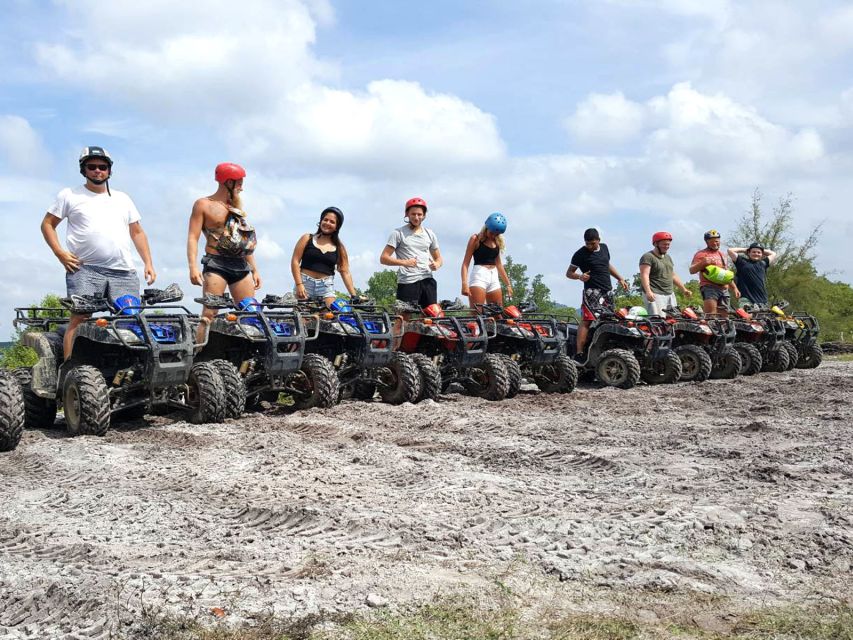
[[513, 376], [793, 355], [811, 358], [430, 377], [86, 402], [728, 365], [39, 412], [664, 370], [696, 364], [11, 411], [750, 358], [618, 368], [491, 380], [406, 380], [559, 376], [777, 360], [206, 397], [316, 383], [235, 389]]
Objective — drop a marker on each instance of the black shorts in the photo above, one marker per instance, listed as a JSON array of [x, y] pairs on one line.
[[231, 269], [422, 293]]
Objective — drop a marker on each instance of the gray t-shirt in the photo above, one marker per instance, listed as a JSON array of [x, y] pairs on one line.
[[660, 274], [408, 244]]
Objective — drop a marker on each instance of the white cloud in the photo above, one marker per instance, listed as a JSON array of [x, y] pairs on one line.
[[606, 119], [21, 148]]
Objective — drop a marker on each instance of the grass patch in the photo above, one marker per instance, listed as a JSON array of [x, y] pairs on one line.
[[452, 619], [841, 357]]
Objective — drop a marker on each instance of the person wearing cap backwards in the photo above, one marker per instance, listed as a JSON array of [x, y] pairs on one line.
[[102, 224], [591, 265], [657, 276], [315, 257], [751, 266], [230, 241], [414, 249], [485, 248], [713, 294]]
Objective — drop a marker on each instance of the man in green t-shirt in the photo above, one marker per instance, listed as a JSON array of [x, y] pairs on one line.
[[657, 276]]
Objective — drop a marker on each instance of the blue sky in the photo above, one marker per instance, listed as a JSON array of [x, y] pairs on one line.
[[632, 116]]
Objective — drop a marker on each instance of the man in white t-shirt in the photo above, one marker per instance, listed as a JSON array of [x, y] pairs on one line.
[[101, 226], [414, 249]]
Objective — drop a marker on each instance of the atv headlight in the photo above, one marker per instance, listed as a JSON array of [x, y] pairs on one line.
[[129, 336], [634, 331], [252, 331], [704, 328]]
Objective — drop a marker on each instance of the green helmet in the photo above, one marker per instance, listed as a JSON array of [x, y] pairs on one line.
[[718, 275], [638, 312]]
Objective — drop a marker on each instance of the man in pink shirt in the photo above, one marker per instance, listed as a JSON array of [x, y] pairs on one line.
[[713, 295]]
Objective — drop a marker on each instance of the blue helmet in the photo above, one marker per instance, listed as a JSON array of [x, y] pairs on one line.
[[496, 223]]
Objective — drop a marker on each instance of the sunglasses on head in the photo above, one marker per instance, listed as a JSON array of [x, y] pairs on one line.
[[97, 167]]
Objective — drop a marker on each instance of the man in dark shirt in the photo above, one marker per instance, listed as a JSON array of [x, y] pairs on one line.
[[751, 266], [591, 265]]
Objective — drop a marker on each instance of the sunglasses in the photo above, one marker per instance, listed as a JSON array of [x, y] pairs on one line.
[[97, 167]]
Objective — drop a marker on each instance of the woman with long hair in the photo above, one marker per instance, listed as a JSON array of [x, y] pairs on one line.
[[486, 247], [316, 256]]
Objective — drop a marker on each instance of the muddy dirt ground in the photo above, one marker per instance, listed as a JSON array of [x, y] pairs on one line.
[[741, 489]]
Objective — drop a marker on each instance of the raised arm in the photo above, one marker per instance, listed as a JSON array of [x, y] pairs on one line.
[[734, 251], [770, 255]]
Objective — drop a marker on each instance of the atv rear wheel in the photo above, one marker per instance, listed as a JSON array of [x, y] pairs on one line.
[[559, 376], [406, 378], [618, 368], [513, 376], [206, 397], [665, 370], [235, 389], [12, 410], [491, 380], [696, 364], [39, 412], [727, 365], [750, 358], [86, 402], [317, 383], [811, 358], [430, 377]]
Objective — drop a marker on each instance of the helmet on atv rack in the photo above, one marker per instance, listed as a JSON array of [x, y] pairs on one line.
[[660, 236], [415, 202], [637, 312], [226, 171]]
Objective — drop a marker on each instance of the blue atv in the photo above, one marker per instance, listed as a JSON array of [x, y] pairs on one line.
[[135, 358], [259, 349]]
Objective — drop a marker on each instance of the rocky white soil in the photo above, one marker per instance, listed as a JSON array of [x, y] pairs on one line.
[[738, 488]]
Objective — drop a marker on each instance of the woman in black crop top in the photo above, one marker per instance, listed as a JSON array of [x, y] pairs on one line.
[[484, 283], [317, 255]]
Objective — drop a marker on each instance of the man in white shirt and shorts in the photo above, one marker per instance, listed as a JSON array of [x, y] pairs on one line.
[[101, 226]]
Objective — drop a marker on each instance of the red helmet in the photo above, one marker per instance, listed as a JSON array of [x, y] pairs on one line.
[[229, 171], [416, 202], [661, 235]]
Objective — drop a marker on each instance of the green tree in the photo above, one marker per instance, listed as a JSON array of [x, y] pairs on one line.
[[382, 287], [525, 290]]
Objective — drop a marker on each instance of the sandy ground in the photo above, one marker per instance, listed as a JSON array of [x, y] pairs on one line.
[[741, 489]]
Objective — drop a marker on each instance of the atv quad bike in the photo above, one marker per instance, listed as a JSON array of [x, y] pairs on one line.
[[801, 332], [135, 358], [532, 348], [775, 353], [259, 350], [693, 336], [449, 344], [357, 338], [622, 347]]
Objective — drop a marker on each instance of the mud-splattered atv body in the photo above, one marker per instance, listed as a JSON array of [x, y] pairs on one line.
[[621, 349], [135, 358], [532, 348], [357, 338], [450, 344], [801, 333], [774, 349], [259, 350], [704, 344]]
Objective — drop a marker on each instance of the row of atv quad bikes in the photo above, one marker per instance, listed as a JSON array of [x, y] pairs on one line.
[[140, 355]]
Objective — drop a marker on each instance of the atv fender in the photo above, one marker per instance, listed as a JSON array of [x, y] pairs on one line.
[[48, 347]]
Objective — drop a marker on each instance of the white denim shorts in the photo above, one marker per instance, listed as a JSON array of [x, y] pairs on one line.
[[318, 287], [483, 277]]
